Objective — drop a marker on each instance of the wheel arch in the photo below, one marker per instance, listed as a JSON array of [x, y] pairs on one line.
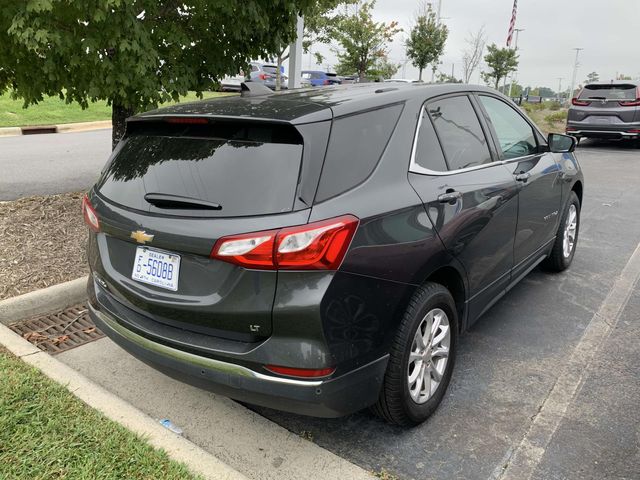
[[453, 280], [577, 187]]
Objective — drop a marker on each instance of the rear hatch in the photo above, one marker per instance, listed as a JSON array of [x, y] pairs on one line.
[[171, 189], [606, 105]]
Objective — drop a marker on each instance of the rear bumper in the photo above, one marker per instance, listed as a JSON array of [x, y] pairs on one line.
[[333, 397], [578, 129]]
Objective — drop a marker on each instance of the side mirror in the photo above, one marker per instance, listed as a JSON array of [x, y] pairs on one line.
[[559, 143]]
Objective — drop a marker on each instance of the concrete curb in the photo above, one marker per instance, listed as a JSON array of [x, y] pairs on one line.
[[309, 458], [43, 301], [116, 409], [60, 128]]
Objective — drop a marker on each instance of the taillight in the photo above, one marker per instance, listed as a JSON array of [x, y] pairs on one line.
[[580, 103], [90, 215], [301, 372], [632, 103], [187, 120], [314, 246], [251, 250], [262, 76]]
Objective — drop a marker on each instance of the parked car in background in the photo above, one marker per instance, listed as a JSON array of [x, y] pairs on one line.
[[348, 79], [265, 73], [319, 79], [321, 254], [232, 84], [402, 80], [606, 110]]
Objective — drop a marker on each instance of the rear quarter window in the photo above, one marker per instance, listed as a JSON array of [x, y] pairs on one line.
[[355, 147]]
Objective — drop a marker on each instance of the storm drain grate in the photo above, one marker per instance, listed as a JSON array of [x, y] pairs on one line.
[[61, 331]]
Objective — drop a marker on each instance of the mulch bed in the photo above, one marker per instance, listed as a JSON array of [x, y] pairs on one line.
[[42, 242]]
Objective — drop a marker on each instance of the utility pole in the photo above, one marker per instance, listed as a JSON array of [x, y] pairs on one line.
[[438, 19], [517, 30], [575, 71], [559, 89], [295, 56]]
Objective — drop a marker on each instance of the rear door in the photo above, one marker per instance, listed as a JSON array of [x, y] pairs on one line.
[[538, 177], [470, 198], [172, 189]]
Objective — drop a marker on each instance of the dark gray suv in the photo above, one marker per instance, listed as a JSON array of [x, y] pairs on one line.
[[321, 251], [606, 110]]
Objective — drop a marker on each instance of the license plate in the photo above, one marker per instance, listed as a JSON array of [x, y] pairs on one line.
[[157, 268]]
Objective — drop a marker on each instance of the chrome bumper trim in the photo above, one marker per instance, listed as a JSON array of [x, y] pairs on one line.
[[204, 362]]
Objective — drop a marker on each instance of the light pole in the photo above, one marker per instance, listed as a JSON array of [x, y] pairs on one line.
[[559, 89], [517, 30], [438, 19], [575, 71]]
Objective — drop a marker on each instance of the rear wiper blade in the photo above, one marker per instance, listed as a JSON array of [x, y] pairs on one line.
[[597, 98], [164, 200]]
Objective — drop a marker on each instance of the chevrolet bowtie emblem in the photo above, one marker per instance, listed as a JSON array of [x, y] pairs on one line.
[[141, 236]]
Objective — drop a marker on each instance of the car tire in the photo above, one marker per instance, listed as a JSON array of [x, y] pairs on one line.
[[562, 253], [401, 401]]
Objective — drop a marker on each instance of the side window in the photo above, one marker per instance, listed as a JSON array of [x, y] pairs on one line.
[[460, 133], [355, 147], [515, 135], [428, 153]]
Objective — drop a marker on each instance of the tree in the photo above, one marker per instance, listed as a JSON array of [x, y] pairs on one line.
[[319, 18], [134, 56], [593, 77], [472, 54], [362, 40], [446, 78], [427, 37], [383, 68], [622, 76], [501, 61]]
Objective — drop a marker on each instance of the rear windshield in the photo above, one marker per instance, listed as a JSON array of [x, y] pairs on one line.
[[191, 170], [609, 92], [270, 68]]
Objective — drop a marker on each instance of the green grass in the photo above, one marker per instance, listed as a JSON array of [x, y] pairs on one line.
[[47, 433], [52, 111]]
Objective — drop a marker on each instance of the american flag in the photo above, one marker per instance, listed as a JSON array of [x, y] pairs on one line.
[[512, 25]]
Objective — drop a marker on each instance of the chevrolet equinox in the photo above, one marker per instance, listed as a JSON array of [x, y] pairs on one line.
[[321, 251]]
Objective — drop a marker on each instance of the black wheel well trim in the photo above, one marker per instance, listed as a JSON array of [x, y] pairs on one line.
[[578, 188]]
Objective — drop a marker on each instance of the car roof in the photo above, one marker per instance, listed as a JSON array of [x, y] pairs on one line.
[[311, 105], [617, 82]]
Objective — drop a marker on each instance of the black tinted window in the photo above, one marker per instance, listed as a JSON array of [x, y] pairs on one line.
[[515, 135], [244, 177], [428, 152], [609, 92], [460, 133], [355, 147]]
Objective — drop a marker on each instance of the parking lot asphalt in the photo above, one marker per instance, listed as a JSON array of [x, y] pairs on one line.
[[51, 163], [511, 358], [509, 364]]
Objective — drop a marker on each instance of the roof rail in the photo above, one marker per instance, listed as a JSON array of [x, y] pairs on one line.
[[253, 89]]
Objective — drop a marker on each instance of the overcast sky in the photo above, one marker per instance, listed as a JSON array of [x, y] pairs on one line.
[[608, 30]]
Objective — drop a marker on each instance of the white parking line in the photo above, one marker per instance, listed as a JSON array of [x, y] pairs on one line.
[[526, 456]]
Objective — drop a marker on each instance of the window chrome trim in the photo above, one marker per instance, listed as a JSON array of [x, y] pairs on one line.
[[415, 168]]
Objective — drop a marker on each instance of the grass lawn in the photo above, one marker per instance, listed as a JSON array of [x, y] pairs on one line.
[[549, 117], [53, 111], [47, 433]]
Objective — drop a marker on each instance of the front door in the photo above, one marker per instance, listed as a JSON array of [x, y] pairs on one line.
[[470, 198], [538, 178]]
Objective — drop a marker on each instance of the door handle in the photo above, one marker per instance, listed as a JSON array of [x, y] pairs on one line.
[[450, 197], [523, 177]]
